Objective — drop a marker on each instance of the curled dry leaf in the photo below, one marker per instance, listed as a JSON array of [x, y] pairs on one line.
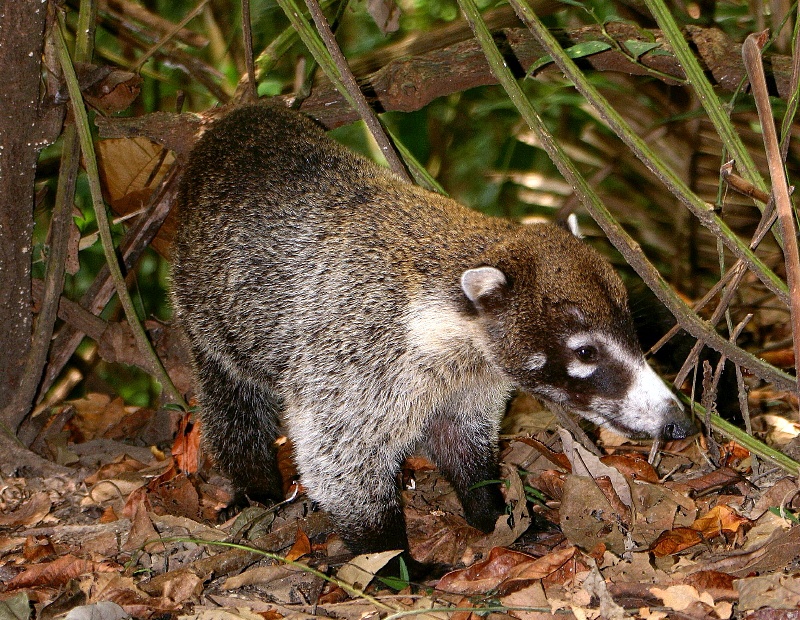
[[673, 541], [504, 570], [58, 572], [633, 465], [718, 521], [301, 546], [30, 512]]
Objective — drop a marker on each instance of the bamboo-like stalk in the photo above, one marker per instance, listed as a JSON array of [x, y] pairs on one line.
[[751, 52], [618, 237], [705, 93], [327, 53], [85, 137]]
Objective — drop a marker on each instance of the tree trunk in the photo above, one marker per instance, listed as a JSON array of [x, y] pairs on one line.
[[22, 27]]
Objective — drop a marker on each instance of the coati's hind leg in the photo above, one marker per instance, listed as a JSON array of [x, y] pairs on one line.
[[464, 449], [240, 424]]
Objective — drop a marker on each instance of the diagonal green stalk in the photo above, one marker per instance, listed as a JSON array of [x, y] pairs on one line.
[[621, 240], [642, 150], [705, 93], [90, 159], [709, 100]]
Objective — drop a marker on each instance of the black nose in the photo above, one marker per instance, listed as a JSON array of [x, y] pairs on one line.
[[680, 429]]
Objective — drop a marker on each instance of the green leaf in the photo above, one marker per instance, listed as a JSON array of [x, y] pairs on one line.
[[639, 48], [580, 50]]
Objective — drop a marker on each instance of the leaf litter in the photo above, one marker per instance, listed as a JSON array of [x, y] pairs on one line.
[[135, 531]]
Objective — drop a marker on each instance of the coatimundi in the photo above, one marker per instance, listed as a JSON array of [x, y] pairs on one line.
[[369, 317]]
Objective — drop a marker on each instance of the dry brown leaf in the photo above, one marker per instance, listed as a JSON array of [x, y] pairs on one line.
[[122, 464], [106, 88], [587, 517], [557, 458], [714, 480], [505, 570], [633, 465], [95, 414], [719, 520], [126, 165], [673, 541], [58, 572], [719, 585], [37, 549], [777, 591], [186, 447], [142, 531], [683, 598], [301, 546], [30, 512], [485, 575]]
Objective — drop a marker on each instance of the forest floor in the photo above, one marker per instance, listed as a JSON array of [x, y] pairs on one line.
[[131, 530]]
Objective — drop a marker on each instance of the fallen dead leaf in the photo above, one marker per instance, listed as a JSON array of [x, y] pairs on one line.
[[30, 512], [58, 572], [718, 521], [675, 540], [360, 571]]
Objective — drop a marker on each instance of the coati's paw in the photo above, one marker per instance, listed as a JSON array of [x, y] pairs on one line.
[[241, 501]]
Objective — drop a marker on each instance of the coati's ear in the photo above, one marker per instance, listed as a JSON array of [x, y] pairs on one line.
[[483, 284], [571, 224]]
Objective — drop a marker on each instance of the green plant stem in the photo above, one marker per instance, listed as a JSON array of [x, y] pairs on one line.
[[330, 58], [85, 137], [705, 93], [740, 436], [704, 212], [621, 240]]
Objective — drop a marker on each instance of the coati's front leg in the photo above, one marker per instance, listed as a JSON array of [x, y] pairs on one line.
[[240, 425], [463, 446], [352, 475]]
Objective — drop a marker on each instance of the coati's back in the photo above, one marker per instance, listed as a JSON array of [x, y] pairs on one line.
[[372, 316], [282, 224]]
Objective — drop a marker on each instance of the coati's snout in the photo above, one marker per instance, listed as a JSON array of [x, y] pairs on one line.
[[575, 346]]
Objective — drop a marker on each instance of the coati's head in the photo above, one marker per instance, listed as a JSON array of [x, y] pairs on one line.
[[558, 324]]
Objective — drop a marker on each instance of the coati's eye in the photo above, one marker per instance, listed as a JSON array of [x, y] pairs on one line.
[[586, 353]]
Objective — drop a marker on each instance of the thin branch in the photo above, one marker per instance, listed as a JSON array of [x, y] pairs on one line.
[[247, 39], [703, 211], [95, 299], [355, 94], [169, 35]]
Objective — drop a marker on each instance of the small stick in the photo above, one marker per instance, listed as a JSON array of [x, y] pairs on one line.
[[170, 35], [247, 39]]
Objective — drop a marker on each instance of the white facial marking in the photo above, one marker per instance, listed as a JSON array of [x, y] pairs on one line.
[[536, 362], [580, 370], [648, 404], [583, 339]]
